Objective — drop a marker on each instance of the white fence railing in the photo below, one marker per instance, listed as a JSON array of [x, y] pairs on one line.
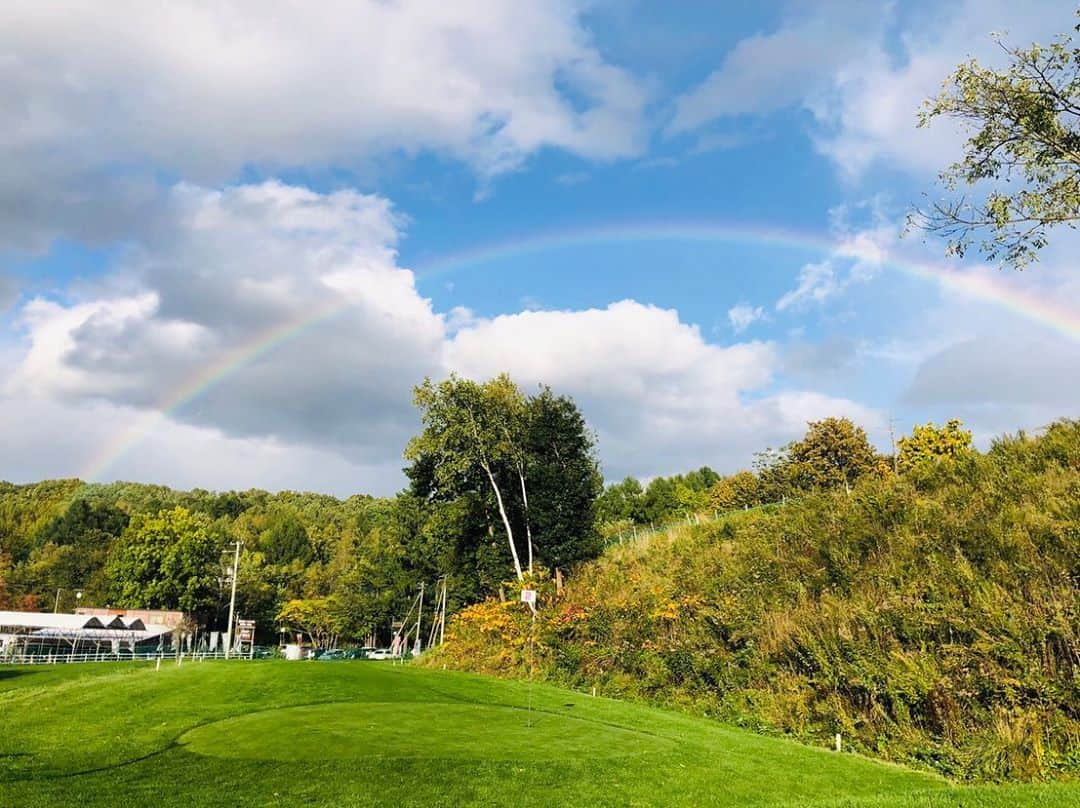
[[108, 656]]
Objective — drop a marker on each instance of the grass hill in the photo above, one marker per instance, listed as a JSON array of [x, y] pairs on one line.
[[931, 618], [366, 733]]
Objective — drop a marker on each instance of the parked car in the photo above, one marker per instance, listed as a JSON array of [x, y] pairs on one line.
[[380, 653]]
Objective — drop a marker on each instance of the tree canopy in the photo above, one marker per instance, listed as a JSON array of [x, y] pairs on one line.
[[1021, 163], [525, 461], [166, 560], [932, 444]]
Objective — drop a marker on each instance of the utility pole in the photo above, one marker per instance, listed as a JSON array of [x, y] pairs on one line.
[[442, 617], [232, 599], [892, 440], [419, 614]]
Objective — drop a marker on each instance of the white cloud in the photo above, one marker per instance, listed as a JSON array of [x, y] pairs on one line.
[[742, 315], [292, 297], [208, 318], [766, 72], [863, 70], [57, 439], [98, 95], [816, 284], [856, 256], [661, 398], [869, 114]]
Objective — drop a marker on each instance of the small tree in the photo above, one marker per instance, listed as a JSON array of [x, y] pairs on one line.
[[833, 452], [932, 444], [737, 491], [319, 618]]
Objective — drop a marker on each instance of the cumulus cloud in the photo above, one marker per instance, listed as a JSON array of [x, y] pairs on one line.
[[294, 298], [660, 397], [103, 96]]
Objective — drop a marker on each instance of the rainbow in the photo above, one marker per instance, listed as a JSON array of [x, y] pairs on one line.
[[978, 284]]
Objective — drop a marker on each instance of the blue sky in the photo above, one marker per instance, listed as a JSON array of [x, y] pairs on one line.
[[687, 218]]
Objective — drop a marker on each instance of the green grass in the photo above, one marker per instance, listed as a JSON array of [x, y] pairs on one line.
[[356, 733]]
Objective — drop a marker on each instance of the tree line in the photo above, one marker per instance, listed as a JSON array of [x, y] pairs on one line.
[[501, 485]]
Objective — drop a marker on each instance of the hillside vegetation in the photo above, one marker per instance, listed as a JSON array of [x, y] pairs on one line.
[[930, 617]]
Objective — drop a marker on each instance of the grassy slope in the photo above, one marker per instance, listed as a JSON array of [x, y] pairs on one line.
[[116, 734], [932, 619]]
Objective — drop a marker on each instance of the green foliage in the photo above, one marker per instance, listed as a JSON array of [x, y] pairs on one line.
[[664, 499], [740, 490], [286, 539], [319, 618], [833, 453], [169, 560], [563, 481], [930, 444], [1023, 155], [497, 457], [931, 618]]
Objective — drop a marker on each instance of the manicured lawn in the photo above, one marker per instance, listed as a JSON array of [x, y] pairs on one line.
[[366, 733]]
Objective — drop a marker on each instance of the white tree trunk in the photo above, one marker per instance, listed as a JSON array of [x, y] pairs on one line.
[[528, 530], [506, 523]]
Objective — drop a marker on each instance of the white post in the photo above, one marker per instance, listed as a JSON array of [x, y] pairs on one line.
[[838, 742], [232, 600]]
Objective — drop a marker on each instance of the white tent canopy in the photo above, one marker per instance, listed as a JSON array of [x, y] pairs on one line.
[[78, 628]]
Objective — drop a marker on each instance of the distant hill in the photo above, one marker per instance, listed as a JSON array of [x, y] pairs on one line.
[[931, 617]]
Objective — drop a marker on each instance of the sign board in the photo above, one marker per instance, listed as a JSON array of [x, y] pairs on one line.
[[245, 630], [528, 596]]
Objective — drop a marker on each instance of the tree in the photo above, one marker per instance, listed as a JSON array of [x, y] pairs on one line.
[[1026, 122], [469, 426], [833, 452], [487, 449], [286, 538], [5, 573], [167, 560], [620, 501], [932, 444], [371, 582], [319, 618], [740, 490], [564, 478]]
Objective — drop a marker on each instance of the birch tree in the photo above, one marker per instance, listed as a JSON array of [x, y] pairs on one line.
[[469, 426]]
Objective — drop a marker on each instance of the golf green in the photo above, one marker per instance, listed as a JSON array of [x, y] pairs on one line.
[[421, 730]]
